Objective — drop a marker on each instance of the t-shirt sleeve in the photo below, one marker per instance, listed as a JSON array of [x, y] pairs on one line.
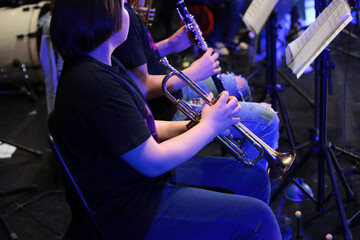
[[119, 125]]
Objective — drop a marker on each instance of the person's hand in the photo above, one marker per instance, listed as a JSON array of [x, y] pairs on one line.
[[221, 115], [206, 66], [180, 40]]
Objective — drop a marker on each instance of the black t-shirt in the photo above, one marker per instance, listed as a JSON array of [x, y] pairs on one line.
[[138, 49], [100, 115]]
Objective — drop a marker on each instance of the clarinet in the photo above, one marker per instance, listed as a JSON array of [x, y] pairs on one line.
[[196, 34]]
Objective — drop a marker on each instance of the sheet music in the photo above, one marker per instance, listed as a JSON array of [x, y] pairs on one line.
[[302, 51], [6, 150], [257, 14], [300, 42]]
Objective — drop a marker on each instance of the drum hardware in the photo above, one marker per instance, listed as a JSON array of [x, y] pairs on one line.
[[329, 237], [30, 35], [19, 49], [27, 89], [298, 233]]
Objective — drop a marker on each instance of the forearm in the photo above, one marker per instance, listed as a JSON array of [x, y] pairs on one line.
[[170, 129], [153, 159], [177, 42], [164, 47], [194, 74], [151, 85], [186, 145]]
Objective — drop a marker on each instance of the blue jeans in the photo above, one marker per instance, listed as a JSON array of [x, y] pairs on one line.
[[188, 210], [261, 120]]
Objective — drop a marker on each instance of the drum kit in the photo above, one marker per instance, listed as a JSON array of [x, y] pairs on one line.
[[21, 29]]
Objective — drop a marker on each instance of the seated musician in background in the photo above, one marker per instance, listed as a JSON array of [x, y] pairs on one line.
[[123, 159], [51, 64], [224, 35], [140, 55]]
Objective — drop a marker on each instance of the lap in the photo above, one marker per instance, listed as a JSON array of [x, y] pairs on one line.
[[193, 213], [226, 175]]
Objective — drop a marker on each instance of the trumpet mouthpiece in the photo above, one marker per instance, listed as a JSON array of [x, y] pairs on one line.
[[164, 61]]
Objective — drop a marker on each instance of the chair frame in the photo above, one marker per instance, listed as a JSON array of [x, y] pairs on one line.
[[57, 152]]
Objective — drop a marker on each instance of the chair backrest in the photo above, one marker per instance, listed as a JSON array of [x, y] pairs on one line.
[[51, 126]]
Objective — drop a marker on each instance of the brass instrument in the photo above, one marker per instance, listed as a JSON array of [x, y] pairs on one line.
[[279, 163], [144, 10]]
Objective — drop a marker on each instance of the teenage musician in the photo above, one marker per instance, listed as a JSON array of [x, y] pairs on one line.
[[123, 159]]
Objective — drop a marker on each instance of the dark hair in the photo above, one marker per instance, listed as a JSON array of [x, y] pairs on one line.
[[80, 26]]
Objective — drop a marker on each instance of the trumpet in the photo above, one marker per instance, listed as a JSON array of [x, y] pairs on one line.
[[144, 10], [278, 162]]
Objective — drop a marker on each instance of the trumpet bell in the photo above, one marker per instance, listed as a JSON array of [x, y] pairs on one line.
[[280, 164]]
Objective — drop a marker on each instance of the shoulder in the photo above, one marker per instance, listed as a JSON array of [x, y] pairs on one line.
[[91, 77]]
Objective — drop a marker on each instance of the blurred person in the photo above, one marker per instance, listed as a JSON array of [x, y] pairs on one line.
[[224, 34]]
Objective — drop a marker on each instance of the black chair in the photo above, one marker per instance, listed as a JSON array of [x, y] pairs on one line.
[[51, 135]]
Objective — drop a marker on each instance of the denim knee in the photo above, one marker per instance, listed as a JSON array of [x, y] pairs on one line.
[[261, 120], [261, 224], [271, 128]]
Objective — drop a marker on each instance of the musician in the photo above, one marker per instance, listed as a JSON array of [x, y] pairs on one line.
[[51, 64], [140, 55], [123, 159]]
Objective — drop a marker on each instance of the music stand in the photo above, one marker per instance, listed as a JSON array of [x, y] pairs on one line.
[[272, 88], [320, 144]]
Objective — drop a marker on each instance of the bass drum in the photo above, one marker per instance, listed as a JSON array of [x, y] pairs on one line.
[[21, 30]]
